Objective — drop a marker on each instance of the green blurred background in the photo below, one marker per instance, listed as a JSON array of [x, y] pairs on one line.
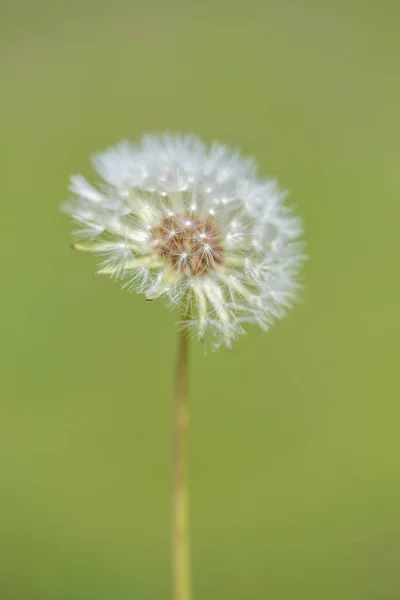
[[295, 470]]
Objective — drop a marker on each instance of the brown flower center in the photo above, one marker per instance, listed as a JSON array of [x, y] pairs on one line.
[[189, 244]]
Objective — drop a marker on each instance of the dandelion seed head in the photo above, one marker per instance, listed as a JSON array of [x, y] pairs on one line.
[[194, 225]]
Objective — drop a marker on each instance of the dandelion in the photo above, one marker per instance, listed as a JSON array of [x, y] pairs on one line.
[[193, 225]]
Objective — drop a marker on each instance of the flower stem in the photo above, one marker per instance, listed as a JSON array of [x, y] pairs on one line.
[[180, 517]]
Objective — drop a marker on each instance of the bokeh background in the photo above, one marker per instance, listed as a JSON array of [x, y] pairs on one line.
[[295, 470]]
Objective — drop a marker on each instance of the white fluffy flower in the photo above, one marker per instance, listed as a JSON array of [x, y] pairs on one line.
[[192, 224]]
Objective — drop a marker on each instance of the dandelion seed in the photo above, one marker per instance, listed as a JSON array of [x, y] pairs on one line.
[[160, 201]]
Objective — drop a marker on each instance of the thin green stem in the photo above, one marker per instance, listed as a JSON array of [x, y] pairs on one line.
[[180, 517]]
